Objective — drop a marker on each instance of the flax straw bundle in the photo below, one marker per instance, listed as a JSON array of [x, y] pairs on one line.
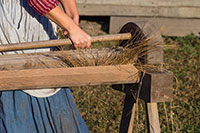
[[97, 103], [133, 51]]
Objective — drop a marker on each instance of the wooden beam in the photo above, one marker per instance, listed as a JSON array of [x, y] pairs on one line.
[[167, 26], [131, 10], [25, 61], [156, 87], [62, 77], [153, 124], [166, 3], [50, 59]]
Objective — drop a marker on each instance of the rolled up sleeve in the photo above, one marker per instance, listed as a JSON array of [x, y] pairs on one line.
[[43, 6]]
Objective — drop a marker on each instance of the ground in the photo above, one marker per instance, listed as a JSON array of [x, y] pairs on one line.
[[101, 106]]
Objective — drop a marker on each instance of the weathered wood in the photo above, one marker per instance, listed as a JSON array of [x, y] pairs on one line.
[[147, 30], [51, 59], [33, 61], [153, 124], [156, 87], [61, 77], [169, 3], [130, 10], [61, 42], [127, 114], [152, 90], [130, 128], [167, 26]]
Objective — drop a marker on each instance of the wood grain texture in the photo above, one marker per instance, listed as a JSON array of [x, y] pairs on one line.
[[60, 42], [157, 87], [131, 10], [168, 3], [62, 77], [167, 26], [153, 124], [50, 59]]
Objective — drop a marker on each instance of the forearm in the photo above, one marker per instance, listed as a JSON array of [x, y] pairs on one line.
[[78, 37], [59, 17], [68, 21], [70, 7], [45, 6]]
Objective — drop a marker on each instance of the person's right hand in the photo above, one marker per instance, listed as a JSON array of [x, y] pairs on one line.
[[79, 38]]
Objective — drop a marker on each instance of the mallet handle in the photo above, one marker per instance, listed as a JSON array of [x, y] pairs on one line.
[[61, 42]]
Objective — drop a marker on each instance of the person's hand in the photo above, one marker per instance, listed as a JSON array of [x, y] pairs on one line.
[[79, 38]]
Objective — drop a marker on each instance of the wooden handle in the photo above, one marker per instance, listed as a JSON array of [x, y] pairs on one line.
[[61, 42]]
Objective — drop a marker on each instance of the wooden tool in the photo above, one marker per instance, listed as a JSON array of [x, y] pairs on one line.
[[129, 32], [61, 42], [155, 86]]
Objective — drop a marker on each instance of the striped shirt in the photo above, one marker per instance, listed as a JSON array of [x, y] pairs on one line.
[[43, 6]]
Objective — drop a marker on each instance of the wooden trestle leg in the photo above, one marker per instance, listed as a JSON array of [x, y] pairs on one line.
[[153, 124], [128, 113]]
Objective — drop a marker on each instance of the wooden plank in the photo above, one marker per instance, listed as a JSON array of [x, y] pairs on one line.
[[128, 10], [130, 128], [61, 77], [153, 124], [24, 61], [127, 114], [167, 26], [156, 87], [50, 59], [169, 3]]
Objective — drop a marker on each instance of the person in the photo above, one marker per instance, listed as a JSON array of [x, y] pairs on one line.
[[40, 110]]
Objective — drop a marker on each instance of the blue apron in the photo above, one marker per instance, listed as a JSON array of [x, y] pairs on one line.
[[22, 113], [19, 111]]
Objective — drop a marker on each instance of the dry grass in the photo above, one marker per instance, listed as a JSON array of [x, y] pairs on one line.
[[133, 52], [101, 106]]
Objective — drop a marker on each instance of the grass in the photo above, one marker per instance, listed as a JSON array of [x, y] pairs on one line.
[[184, 61], [101, 106]]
